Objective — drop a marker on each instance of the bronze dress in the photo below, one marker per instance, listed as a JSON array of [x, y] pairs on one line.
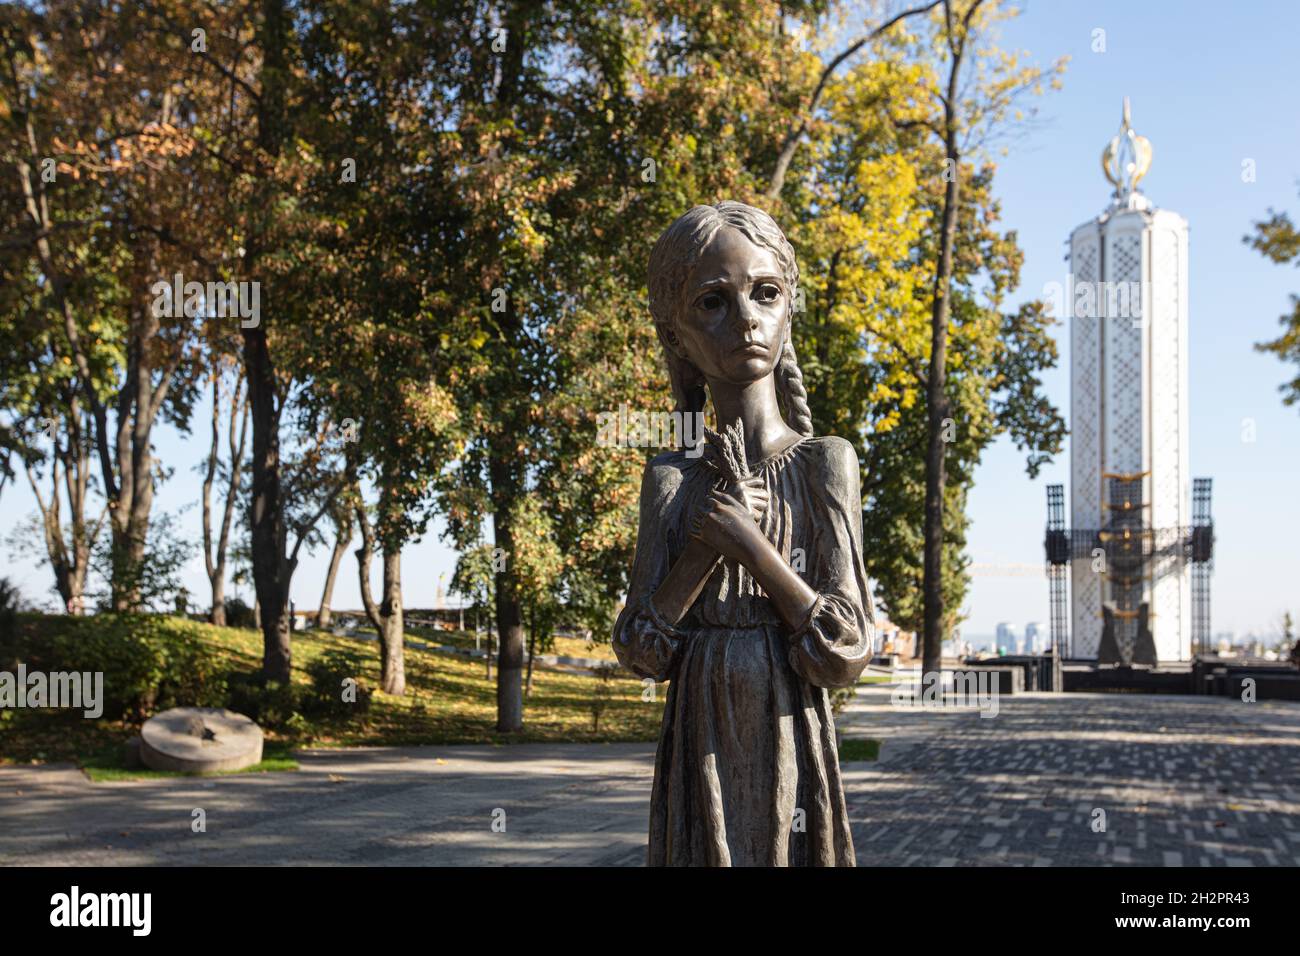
[[748, 738]]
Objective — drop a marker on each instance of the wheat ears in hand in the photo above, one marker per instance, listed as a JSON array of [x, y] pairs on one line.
[[725, 453]]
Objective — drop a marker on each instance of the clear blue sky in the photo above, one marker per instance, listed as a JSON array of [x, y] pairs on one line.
[[1211, 85]]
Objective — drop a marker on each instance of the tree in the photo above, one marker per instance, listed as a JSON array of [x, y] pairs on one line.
[[563, 181], [870, 197], [215, 554], [1278, 239], [45, 427], [540, 565], [964, 116], [341, 516], [936, 394], [1289, 645], [670, 107], [475, 578], [377, 349], [270, 107], [101, 163]]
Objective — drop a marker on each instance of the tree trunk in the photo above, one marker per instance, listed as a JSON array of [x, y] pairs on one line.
[[504, 465], [267, 513], [532, 651], [393, 659], [386, 617], [52, 525], [138, 404], [270, 571], [69, 560], [217, 612], [214, 559], [341, 542], [936, 383], [217, 615], [510, 628], [510, 660]]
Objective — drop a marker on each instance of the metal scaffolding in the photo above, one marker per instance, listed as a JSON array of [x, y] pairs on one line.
[[1128, 551]]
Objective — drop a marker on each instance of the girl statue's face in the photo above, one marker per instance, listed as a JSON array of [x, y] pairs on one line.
[[732, 323]]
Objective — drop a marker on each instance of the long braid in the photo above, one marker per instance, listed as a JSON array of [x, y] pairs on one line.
[[689, 394], [790, 383]]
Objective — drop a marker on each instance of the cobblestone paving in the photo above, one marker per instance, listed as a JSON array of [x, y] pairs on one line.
[[1181, 781]]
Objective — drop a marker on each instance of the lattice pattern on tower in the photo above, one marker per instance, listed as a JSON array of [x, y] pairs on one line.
[[1124, 358], [1058, 559], [1202, 563], [1127, 545], [1131, 552]]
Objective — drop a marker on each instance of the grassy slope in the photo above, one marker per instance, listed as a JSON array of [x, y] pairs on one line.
[[449, 700]]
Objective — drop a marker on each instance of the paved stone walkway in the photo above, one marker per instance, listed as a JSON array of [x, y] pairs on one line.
[[1183, 781]]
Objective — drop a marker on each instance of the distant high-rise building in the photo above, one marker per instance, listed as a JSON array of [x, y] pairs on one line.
[[1007, 638], [1034, 643]]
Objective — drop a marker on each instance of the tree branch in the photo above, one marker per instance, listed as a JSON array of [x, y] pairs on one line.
[[791, 143]]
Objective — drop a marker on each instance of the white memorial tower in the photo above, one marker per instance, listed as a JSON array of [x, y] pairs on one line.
[[1130, 553]]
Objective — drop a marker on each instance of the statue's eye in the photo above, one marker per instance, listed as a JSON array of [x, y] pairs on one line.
[[767, 292], [710, 301]]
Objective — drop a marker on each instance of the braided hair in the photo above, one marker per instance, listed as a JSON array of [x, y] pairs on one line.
[[671, 261]]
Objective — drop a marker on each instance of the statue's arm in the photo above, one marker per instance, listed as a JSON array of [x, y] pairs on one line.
[[647, 642], [788, 592], [685, 580], [725, 526], [835, 642], [829, 617], [694, 566]]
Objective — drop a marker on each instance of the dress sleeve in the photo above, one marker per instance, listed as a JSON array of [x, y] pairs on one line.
[[833, 645], [644, 642]]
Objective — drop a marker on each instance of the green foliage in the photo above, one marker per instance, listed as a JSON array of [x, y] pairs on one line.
[[10, 605], [149, 663], [869, 201], [448, 701], [327, 674], [855, 748], [840, 698], [475, 578], [273, 705], [520, 171], [156, 577], [239, 613], [1278, 239]]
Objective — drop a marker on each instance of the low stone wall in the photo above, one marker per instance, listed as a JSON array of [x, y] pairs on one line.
[[1270, 682], [1130, 680], [1010, 678], [1036, 669]]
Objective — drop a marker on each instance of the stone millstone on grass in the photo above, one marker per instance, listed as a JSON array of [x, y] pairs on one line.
[[200, 740]]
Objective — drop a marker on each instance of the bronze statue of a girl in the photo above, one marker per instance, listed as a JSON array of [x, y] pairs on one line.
[[748, 591]]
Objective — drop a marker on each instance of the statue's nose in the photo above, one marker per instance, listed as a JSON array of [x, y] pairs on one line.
[[746, 315]]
